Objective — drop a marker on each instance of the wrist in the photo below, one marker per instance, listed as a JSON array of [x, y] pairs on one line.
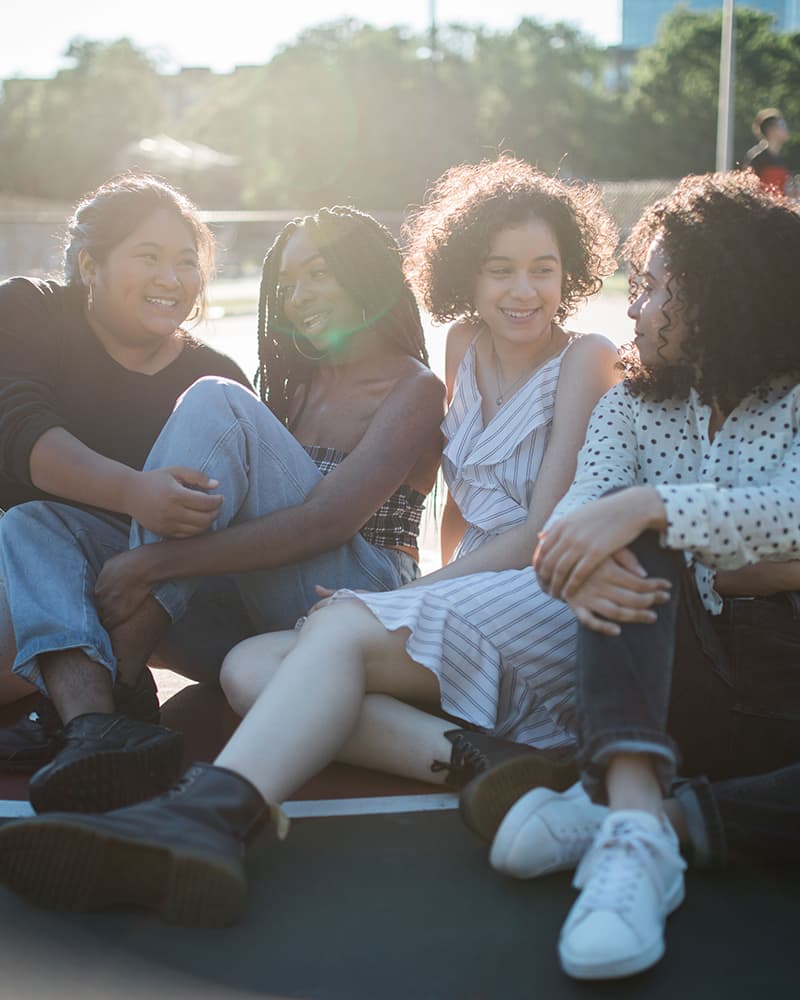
[[126, 486], [652, 511]]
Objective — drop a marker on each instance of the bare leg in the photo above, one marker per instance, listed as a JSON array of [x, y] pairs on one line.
[[397, 738], [134, 640], [76, 684], [250, 666], [632, 784], [310, 708], [389, 735]]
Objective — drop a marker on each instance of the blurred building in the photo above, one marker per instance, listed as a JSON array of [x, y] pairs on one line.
[[641, 19]]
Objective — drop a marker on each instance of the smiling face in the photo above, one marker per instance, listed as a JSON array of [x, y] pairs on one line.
[[658, 312], [518, 288], [314, 302], [148, 284]]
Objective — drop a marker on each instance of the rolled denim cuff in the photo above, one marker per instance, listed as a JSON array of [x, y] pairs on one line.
[[26, 663], [595, 759], [174, 597], [703, 822]]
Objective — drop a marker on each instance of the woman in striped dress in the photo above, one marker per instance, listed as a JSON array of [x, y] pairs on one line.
[[508, 253]]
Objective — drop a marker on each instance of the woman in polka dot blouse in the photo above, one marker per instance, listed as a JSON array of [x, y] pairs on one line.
[[699, 449]]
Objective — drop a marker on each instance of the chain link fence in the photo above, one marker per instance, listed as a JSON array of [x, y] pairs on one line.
[[32, 232]]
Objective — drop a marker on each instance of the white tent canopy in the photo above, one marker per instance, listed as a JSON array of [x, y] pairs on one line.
[[162, 153]]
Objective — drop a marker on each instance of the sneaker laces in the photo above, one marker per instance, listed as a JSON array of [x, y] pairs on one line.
[[574, 840], [612, 868]]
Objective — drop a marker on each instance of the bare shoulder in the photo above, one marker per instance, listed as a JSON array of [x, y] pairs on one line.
[[459, 336], [419, 381], [590, 349], [407, 380]]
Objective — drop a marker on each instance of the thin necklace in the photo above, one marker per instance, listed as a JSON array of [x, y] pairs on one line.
[[504, 393]]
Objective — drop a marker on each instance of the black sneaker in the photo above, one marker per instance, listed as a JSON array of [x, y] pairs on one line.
[[35, 739], [107, 761], [494, 773]]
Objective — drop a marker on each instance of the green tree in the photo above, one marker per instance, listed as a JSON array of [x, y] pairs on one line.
[[346, 113], [540, 93], [672, 103], [76, 123]]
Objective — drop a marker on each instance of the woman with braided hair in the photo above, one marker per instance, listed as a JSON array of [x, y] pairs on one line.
[[325, 483]]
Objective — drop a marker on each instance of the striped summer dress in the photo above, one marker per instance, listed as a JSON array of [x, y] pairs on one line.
[[502, 649]]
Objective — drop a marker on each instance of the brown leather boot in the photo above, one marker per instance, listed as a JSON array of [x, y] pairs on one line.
[[493, 773]]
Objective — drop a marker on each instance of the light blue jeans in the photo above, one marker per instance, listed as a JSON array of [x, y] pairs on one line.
[[51, 553]]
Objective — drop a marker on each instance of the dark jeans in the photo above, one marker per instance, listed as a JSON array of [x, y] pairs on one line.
[[714, 698]]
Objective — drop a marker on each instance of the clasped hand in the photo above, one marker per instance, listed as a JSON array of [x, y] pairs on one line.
[[617, 592], [122, 587], [172, 502], [584, 560]]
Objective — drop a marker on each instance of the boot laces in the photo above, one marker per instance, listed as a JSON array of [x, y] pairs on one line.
[[466, 760], [613, 868]]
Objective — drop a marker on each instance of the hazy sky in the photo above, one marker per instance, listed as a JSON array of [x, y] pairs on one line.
[[35, 35]]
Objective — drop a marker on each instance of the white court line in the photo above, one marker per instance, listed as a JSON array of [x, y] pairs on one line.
[[15, 808], [370, 805], [12, 808]]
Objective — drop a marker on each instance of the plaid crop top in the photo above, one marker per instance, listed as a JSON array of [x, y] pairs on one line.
[[396, 522]]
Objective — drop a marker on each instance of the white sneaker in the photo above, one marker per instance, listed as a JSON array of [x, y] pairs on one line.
[[546, 831], [632, 879]]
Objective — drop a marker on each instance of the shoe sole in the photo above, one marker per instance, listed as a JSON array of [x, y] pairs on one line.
[[27, 766], [621, 968], [109, 779], [488, 797], [66, 866], [514, 825]]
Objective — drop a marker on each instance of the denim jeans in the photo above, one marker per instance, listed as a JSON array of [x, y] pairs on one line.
[[225, 431], [714, 698], [51, 553]]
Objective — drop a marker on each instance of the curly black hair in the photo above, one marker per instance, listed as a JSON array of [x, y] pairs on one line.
[[365, 259], [449, 237], [731, 250]]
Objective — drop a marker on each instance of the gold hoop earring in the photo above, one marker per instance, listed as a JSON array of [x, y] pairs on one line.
[[309, 357]]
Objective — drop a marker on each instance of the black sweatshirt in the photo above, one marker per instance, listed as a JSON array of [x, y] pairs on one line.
[[54, 372]]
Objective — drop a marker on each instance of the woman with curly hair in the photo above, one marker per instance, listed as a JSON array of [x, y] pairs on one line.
[[508, 253], [700, 447]]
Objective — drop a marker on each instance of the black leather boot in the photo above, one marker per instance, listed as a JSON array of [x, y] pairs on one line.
[[33, 740], [107, 761], [36, 738], [180, 855], [493, 773]]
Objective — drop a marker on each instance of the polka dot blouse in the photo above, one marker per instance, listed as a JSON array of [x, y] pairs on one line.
[[730, 501]]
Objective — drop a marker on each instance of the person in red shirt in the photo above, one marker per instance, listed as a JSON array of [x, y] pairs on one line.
[[765, 158]]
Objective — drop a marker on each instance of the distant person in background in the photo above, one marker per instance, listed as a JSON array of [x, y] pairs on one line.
[[326, 482], [766, 158], [90, 369]]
